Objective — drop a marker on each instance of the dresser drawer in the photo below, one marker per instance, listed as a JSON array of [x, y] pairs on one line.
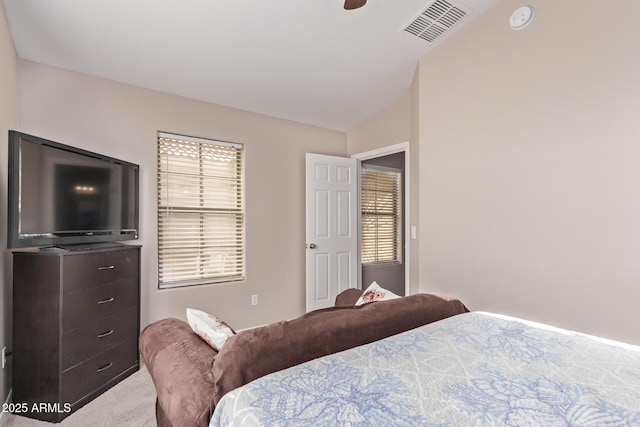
[[93, 373], [98, 336], [88, 270], [80, 308]]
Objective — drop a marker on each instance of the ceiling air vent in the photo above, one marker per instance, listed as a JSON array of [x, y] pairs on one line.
[[436, 19]]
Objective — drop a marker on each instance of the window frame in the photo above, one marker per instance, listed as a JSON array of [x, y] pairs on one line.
[[232, 211], [397, 215]]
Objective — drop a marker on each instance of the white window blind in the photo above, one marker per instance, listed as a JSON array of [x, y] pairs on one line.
[[200, 211], [380, 207]]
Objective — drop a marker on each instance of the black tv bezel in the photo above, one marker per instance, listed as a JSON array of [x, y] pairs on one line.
[[65, 239]]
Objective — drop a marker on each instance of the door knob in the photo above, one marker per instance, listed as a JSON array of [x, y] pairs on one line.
[[312, 246]]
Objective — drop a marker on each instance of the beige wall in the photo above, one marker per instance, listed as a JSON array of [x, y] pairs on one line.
[[122, 121], [529, 154], [390, 126], [8, 120]]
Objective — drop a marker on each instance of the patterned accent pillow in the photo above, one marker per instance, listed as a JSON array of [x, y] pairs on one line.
[[212, 330], [375, 293]]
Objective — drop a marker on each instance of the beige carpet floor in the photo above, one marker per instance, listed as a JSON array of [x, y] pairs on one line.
[[129, 403]]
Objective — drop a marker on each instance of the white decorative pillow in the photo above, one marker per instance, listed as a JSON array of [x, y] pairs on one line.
[[375, 293], [212, 330]]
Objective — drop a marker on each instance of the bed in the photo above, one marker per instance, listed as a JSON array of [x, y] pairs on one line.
[[473, 369]]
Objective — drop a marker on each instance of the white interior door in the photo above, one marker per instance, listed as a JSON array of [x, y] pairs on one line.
[[331, 222]]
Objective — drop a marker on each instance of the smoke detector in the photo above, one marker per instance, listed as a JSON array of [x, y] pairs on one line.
[[521, 17]]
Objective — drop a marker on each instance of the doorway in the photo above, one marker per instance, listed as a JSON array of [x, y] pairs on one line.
[[393, 276], [382, 237], [333, 214]]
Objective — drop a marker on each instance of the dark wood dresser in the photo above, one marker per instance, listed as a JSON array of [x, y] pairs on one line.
[[76, 321]]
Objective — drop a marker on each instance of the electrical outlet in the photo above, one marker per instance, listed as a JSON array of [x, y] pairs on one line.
[[254, 299], [4, 357]]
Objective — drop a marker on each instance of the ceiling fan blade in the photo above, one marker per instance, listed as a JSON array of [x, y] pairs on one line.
[[354, 4]]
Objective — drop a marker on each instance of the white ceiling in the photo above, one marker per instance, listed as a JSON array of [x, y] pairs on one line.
[[309, 61]]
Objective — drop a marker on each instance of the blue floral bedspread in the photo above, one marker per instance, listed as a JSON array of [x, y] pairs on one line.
[[474, 369]]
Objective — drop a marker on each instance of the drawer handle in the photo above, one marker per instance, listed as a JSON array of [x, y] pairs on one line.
[[105, 334], [105, 367], [108, 267], [106, 301]]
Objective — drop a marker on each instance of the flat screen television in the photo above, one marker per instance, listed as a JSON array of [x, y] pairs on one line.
[[61, 196]]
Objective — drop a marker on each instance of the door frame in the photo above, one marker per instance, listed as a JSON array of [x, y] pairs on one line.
[[380, 152]]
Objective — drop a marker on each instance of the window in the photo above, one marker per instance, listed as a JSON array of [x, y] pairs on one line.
[[380, 207], [200, 211]]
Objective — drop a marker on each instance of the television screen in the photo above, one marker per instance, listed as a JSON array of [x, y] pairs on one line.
[[60, 195]]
